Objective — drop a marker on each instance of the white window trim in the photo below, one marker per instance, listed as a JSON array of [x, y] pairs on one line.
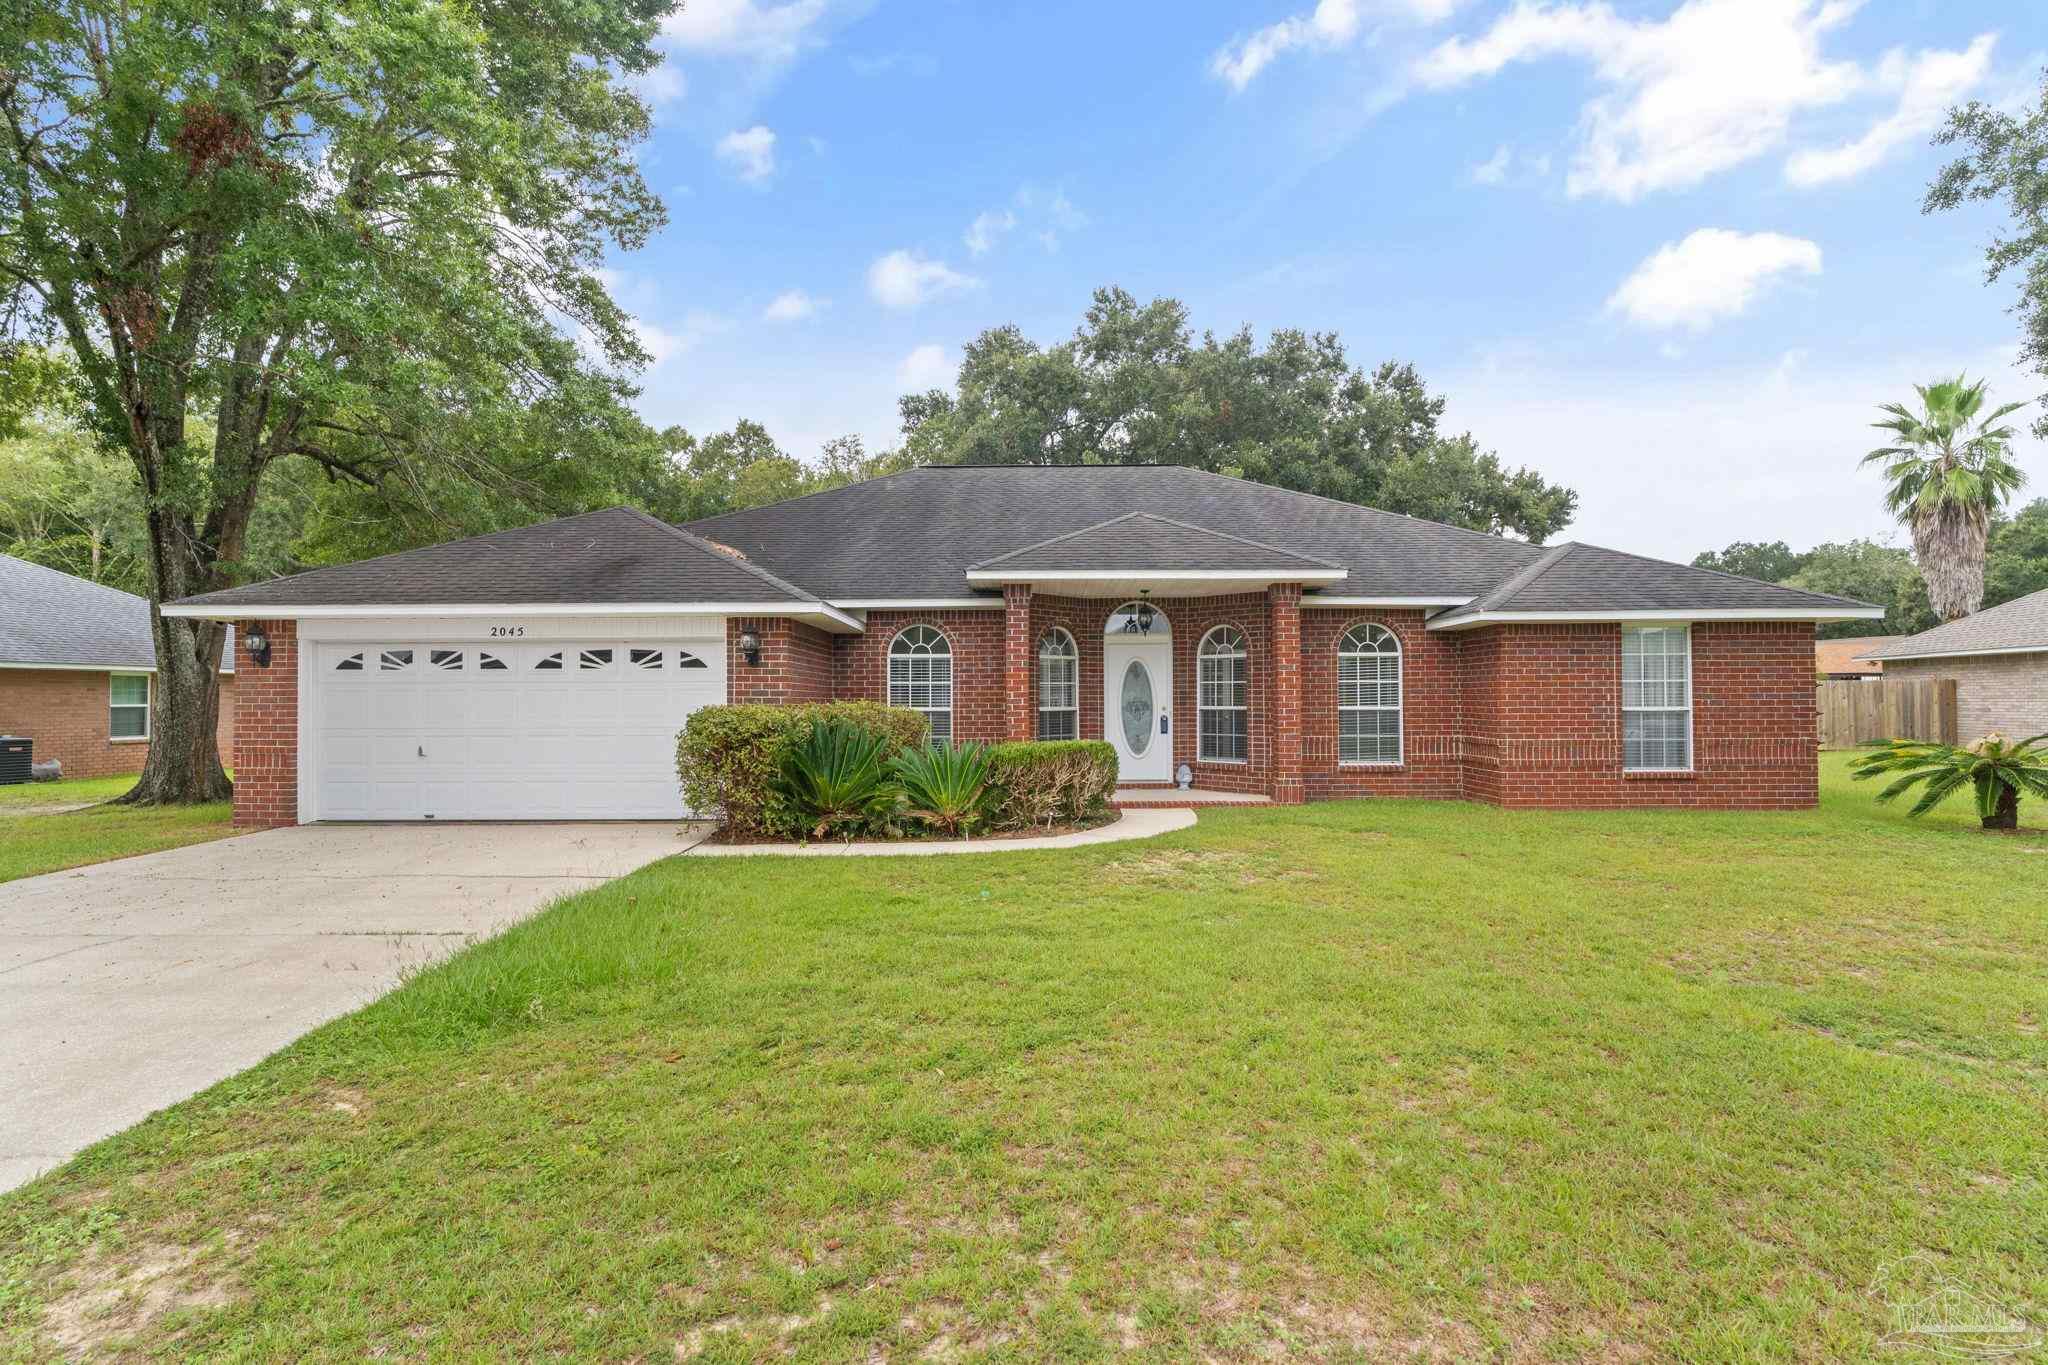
[[1244, 655], [1399, 708], [1073, 656], [952, 675], [148, 706], [1691, 752]]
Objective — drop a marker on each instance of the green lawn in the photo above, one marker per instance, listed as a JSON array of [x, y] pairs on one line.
[[30, 844], [21, 794], [1365, 1080]]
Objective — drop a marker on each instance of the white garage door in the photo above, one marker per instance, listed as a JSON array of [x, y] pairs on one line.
[[413, 730]]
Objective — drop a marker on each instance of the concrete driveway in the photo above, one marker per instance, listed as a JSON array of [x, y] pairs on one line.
[[129, 985]]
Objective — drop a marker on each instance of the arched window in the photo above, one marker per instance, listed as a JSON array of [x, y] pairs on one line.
[[1368, 696], [1059, 686], [921, 677], [1221, 694]]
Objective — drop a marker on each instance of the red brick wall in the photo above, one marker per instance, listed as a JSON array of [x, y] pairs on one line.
[[1431, 712], [860, 664], [1283, 697], [267, 730], [65, 712], [1543, 718], [1020, 664], [796, 662]]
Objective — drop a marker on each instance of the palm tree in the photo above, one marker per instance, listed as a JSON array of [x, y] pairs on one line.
[[1948, 472]]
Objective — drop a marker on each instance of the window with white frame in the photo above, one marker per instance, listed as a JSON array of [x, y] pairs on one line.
[[1059, 686], [128, 706], [1656, 698], [1368, 696], [921, 677], [1221, 693]]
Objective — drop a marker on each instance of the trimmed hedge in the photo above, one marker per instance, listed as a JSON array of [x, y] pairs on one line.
[[1050, 782], [728, 757]]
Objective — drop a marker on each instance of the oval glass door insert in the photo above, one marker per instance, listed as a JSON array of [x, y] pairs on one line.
[[1137, 708]]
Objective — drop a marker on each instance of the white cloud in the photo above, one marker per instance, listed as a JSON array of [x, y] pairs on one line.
[[903, 279], [1712, 86], [791, 305], [1928, 83], [742, 28], [1494, 169], [1331, 24], [925, 368], [1711, 275], [983, 232], [750, 153]]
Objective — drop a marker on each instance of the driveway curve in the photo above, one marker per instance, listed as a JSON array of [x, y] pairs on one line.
[[129, 985]]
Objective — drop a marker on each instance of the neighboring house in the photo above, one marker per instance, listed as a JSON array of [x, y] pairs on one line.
[[76, 671], [1841, 659], [1274, 642], [1999, 659]]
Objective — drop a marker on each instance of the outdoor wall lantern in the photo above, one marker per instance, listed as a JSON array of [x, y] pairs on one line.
[[750, 648], [259, 645], [1145, 614]]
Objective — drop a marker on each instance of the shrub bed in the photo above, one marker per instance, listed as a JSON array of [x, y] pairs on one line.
[[730, 757], [1052, 782]]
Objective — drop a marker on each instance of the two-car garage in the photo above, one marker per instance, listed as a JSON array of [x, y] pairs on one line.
[[405, 726]]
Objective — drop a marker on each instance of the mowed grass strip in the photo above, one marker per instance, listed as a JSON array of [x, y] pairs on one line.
[[16, 795], [34, 844], [1365, 1080]]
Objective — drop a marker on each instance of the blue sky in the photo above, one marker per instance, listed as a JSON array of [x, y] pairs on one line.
[[1670, 255]]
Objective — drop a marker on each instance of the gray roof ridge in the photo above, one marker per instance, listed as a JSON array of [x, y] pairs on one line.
[[1354, 506], [828, 492], [1508, 588], [712, 548], [1175, 522]]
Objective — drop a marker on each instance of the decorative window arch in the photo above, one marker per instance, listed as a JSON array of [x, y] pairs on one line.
[[1138, 621], [1222, 697], [1369, 696], [921, 677], [1059, 686]]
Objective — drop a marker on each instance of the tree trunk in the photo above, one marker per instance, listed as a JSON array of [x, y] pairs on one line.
[[2007, 816], [1949, 541], [184, 757]]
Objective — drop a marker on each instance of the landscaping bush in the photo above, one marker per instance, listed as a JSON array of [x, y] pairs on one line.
[[835, 780], [729, 757], [1051, 782], [946, 787]]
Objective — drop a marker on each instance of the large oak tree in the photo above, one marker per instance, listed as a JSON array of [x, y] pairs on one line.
[[359, 235]]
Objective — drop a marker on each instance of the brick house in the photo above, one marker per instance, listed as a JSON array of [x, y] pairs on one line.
[[1998, 658], [1243, 637], [77, 664]]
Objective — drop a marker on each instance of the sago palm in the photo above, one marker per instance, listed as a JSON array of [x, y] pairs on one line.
[[1947, 472], [1997, 770]]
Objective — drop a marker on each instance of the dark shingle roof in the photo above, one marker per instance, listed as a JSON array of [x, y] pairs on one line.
[[615, 556], [1140, 541], [915, 534], [47, 617], [1575, 577], [2020, 624]]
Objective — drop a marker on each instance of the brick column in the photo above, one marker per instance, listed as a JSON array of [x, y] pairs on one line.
[[1020, 714], [267, 730], [1283, 634]]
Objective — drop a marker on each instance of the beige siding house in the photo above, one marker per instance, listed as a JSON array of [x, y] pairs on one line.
[[1999, 659]]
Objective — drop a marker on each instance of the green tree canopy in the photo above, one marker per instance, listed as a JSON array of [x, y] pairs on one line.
[[1772, 563], [1133, 386], [352, 236]]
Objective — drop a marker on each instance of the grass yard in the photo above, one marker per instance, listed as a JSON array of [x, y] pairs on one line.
[[1376, 1080], [30, 844]]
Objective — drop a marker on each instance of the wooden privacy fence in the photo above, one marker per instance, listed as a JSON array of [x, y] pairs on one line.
[[1854, 712]]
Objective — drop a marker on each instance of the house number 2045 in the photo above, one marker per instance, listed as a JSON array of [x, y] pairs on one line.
[[507, 632]]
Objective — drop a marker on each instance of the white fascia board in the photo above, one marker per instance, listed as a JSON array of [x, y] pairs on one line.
[[997, 577], [1496, 618], [259, 612], [922, 604], [1326, 600], [1954, 653]]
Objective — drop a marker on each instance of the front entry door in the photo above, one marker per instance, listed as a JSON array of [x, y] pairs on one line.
[[1137, 705]]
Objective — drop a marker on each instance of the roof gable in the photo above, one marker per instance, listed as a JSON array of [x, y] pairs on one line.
[[1138, 541], [53, 618], [1573, 578]]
